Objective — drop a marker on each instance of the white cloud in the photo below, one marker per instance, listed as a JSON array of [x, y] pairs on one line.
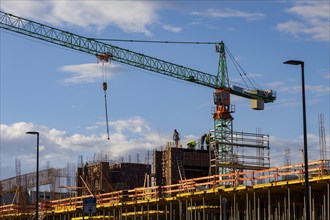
[[135, 125], [127, 136], [89, 73], [317, 90], [278, 146], [228, 13], [129, 16], [313, 21], [131, 136], [172, 28]]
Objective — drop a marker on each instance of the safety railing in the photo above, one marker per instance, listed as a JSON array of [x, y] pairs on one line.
[[317, 169]]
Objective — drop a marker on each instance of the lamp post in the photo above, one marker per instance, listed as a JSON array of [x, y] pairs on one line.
[[37, 188], [301, 63]]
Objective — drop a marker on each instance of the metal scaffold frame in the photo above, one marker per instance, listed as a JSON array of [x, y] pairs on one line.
[[243, 151]]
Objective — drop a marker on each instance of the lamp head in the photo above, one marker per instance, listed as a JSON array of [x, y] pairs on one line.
[[294, 62], [32, 132]]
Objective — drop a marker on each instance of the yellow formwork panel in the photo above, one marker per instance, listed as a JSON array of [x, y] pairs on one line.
[[93, 217], [144, 213], [238, 188], [203, 207]]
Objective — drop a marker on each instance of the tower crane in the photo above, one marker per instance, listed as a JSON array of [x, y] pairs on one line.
[[223, 129]]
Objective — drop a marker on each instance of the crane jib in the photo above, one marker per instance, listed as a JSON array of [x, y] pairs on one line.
[[94, 47]]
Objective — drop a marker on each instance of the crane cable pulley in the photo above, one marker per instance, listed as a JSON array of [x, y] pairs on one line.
[[104, 58]]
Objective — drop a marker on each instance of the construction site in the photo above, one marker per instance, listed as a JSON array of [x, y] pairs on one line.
[[226, 176]]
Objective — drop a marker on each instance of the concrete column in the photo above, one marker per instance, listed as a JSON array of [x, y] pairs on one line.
[[165, 212], [171, 211], [254, 205], [180, 209], [328, 203], [221, 207], [204, 217], [134, 212], [289, 205], [235, 206], [246, 206], [258, 213], [269, 208]]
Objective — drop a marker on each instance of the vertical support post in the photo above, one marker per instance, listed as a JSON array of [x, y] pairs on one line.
[[269, 211], [313, 209], [165, 212], [254, 205], [180, 209], [310, 201], [191, 211], [224, 202], [204, 208], [279, 210], [323, 207], [258, 216], [289, 204], [134, 212], [328, 202], [284, 208], [235, 205], [247, 206], [171, 211], [187, 211], [221, 207]]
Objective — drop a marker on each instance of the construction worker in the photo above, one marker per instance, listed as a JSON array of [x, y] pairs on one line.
[[191, 144], [176, 138], [202, 141], [207, 141]]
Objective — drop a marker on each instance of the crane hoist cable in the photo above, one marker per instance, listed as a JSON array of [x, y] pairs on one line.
[[104, 58], [241, 71], [154, 41]]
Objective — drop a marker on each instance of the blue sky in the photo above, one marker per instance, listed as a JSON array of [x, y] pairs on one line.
[[58, 91]]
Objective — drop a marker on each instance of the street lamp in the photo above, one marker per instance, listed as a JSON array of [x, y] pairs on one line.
[[301, 63], [37, 190]]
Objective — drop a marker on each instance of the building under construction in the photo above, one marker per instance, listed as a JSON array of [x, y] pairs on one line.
[[100, 177], [180, 183], [274, 193]]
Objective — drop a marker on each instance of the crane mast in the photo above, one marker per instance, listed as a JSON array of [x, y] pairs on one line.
[[221, 150], [223, 129]]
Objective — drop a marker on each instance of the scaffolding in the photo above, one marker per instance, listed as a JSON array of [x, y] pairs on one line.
[[245, 151]]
